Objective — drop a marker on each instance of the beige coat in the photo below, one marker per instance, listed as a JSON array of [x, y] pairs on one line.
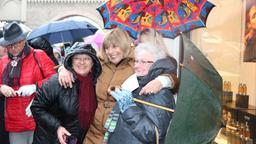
[[111, 76]]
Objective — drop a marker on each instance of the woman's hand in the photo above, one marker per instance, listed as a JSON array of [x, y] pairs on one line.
[[124, 98], [62, 134], [7, 91], [65, 77], [153, 86], [162, 81]]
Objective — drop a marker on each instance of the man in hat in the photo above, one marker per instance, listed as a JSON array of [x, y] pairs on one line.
[[22, 70]]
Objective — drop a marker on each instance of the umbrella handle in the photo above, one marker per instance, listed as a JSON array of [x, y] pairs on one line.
[[153, 105]]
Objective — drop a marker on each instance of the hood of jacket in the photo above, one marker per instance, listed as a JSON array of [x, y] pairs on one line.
[[82, 48]]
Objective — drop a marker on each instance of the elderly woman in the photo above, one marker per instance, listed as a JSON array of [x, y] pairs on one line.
[[65, 114], [140, 123]]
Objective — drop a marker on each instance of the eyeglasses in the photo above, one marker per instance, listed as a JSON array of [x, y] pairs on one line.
[[14, 45], [79, 59], [142, 62]]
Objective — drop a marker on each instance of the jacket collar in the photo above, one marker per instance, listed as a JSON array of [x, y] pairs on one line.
[[122, 64]]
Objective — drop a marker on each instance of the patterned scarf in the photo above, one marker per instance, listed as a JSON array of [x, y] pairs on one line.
[[87, 100], [11, 73], [111, 123]]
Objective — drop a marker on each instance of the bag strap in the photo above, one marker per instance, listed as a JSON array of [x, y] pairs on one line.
[[39, 64]]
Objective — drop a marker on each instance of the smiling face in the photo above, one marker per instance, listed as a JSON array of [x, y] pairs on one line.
[[116, 46], [114, 53], [82, 64], [143, 62]]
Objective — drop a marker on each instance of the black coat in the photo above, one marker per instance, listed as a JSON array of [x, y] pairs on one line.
[[4, 135], [54, 106], [137, 124], [43, 44]]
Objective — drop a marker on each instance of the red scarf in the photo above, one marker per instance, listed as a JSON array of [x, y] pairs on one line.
[[87, 100]]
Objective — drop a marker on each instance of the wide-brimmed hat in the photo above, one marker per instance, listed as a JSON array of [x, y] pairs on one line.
[[12, 33]]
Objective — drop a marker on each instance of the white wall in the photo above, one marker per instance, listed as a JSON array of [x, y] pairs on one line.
[[13, 10]]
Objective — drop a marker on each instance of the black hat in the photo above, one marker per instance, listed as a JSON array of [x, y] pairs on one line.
[[82, 48], [12, 33]]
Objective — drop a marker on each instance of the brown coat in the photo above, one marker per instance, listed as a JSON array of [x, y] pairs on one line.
[[111, 75]]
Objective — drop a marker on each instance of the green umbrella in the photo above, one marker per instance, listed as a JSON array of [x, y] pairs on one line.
[[196, 119]]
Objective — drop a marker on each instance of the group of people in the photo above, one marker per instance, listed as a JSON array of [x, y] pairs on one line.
[[84, 102]]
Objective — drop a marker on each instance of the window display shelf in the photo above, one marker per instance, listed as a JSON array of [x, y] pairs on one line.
[[243, 115]]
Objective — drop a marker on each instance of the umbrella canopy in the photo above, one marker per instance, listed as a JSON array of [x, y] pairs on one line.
[[196, 119], [63, 31], [96, 40], [169, 17]]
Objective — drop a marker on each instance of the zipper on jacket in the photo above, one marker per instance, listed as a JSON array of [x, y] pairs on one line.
[[106, 103]]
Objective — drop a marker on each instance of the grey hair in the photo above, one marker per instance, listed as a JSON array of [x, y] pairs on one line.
[[157, 52]]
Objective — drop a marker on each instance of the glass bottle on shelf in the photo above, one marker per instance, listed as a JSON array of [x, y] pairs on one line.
[[244, 89], [229, 86], [233, 126], [241, 131], [228, 124], [240, 89], [224, 116], [225, 86], [246, 131], [229, 116], [237, 128]]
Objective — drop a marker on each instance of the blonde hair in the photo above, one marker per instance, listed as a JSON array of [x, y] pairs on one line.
[[252, 11], [151, 35], [117, 37]]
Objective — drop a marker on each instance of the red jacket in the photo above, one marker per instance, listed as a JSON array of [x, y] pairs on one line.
[[15, 118]]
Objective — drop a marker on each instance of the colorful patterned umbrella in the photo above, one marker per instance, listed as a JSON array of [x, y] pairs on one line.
[[169, 17]]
